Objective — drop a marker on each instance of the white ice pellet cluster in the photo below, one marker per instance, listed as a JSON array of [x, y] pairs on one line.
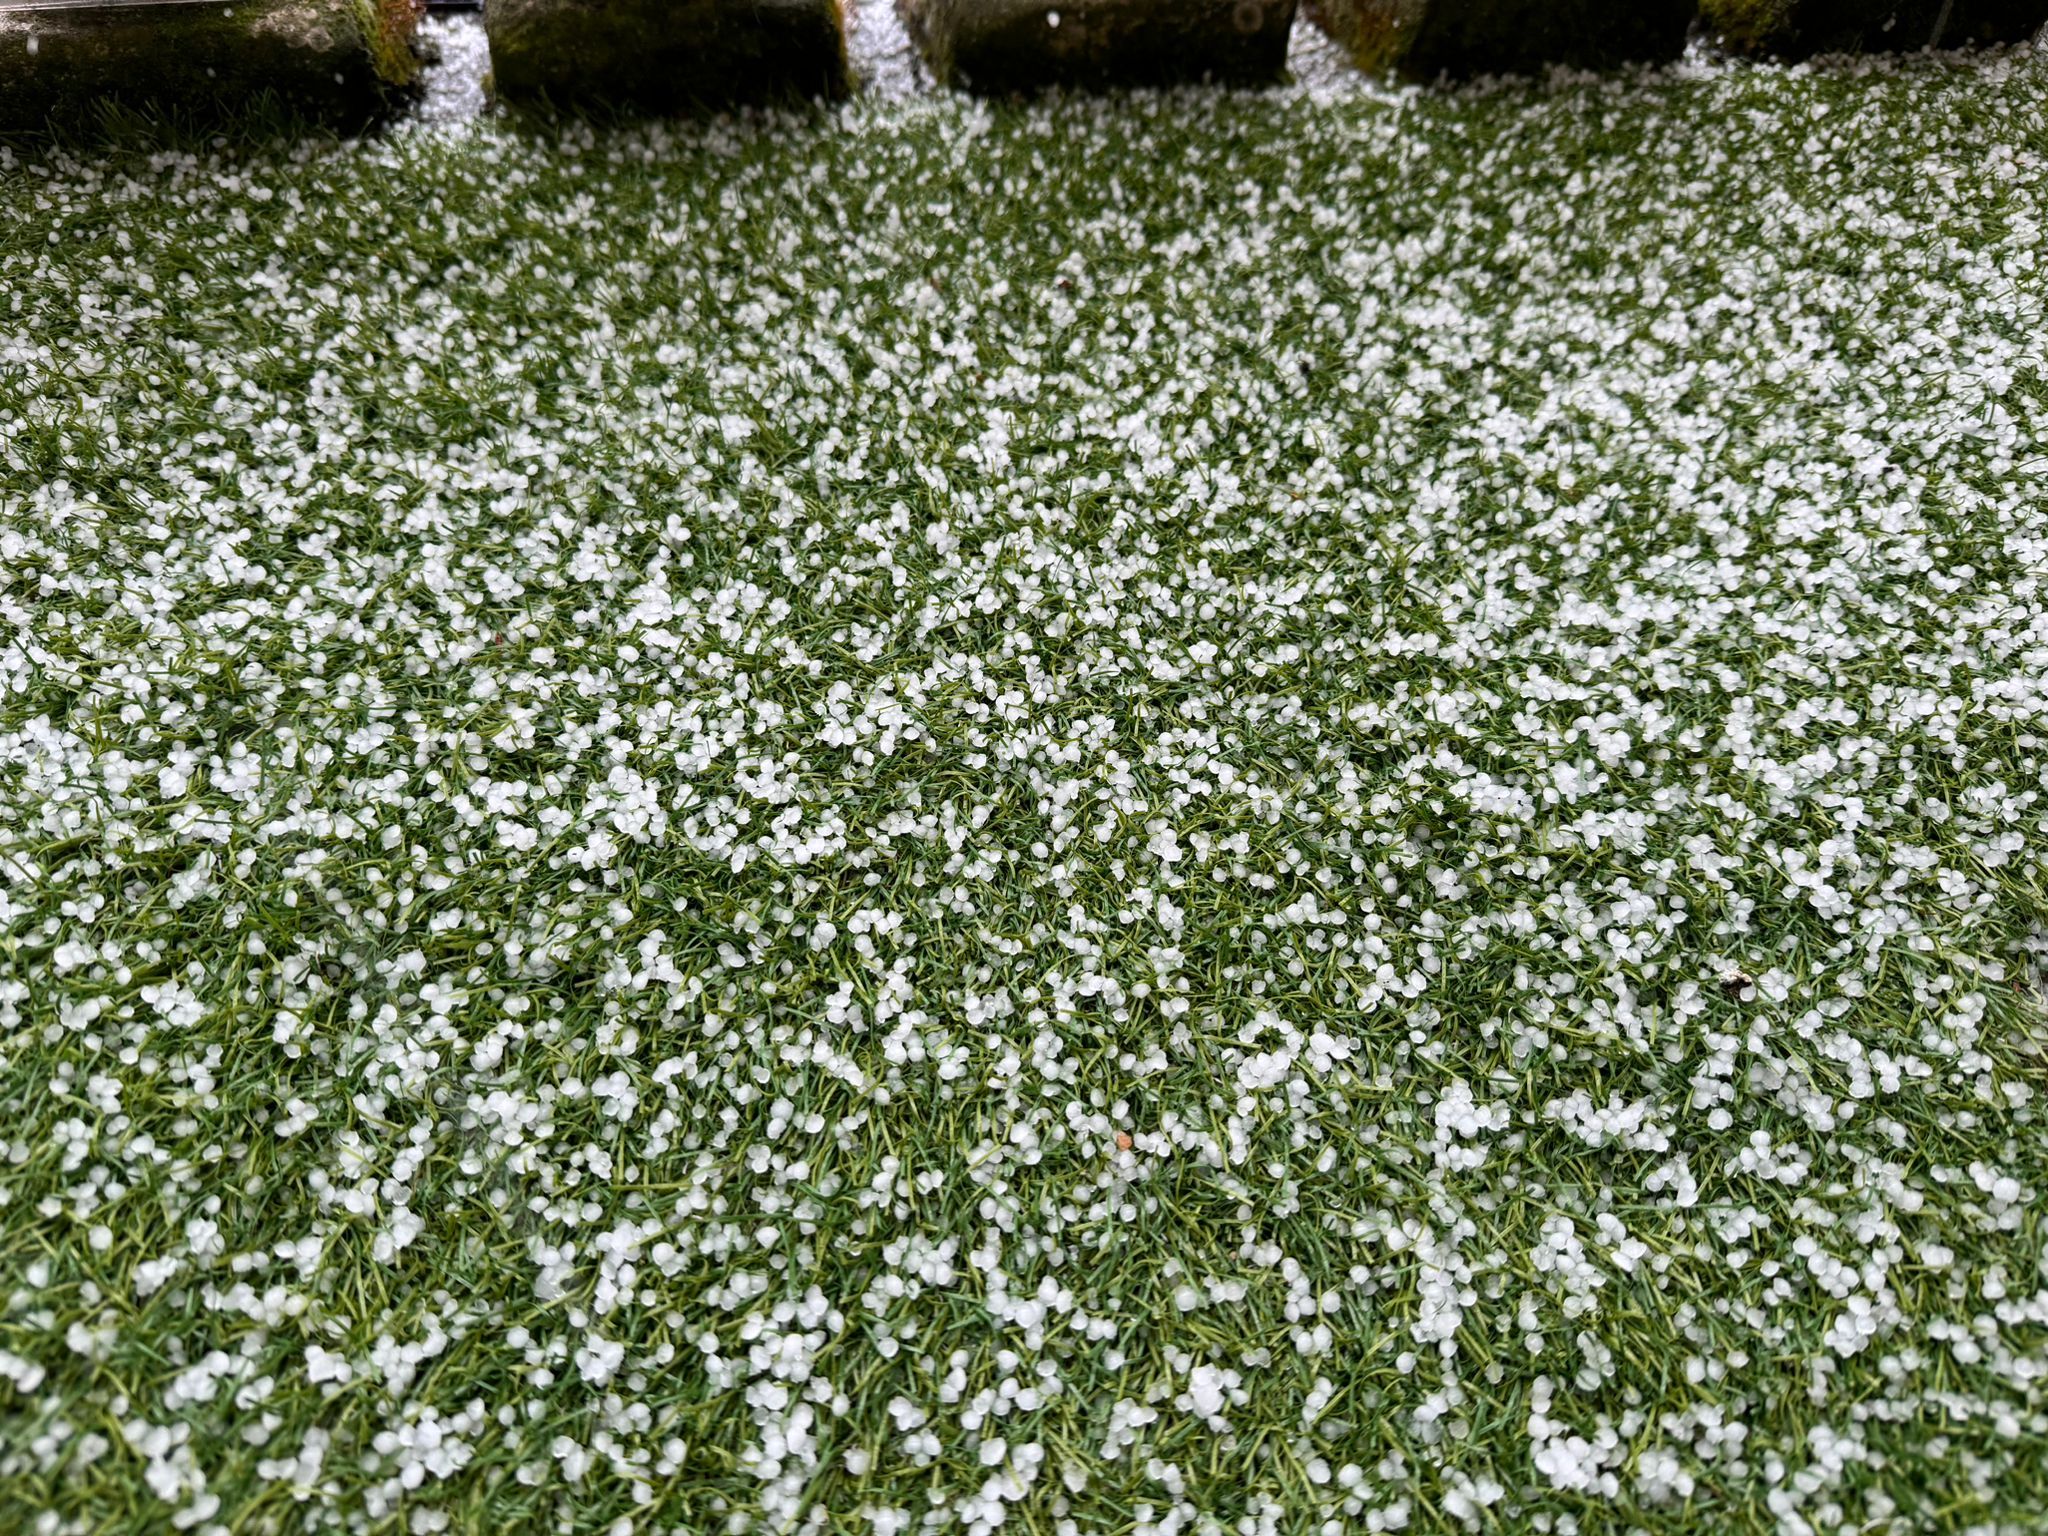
[[1194, 813]]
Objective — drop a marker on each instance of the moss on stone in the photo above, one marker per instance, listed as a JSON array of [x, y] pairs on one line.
[[342, 62], [1423, 39], [390, 31], [1376, 33], [1750, 27], [1004, 46], [1800, 28], [665, 55]]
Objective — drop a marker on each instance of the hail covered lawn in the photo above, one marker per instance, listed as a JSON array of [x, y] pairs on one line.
[[1287, 814]]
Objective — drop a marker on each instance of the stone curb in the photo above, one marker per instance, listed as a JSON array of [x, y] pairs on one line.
[[340, 62], [665, 55], [1428, 39], [1005, 46], [1794, 29]]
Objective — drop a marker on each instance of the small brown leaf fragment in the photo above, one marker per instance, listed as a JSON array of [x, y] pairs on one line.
[[1733, 983], [1123, 1141]]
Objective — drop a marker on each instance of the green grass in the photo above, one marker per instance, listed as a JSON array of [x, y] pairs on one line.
[[1327, 810]]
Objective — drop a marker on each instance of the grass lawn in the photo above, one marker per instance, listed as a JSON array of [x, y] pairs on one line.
[[1194, 814]]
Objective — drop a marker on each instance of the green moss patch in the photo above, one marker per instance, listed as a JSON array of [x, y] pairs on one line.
[[339, 61], [654, 55], [1022, 45], [1423, 39]]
